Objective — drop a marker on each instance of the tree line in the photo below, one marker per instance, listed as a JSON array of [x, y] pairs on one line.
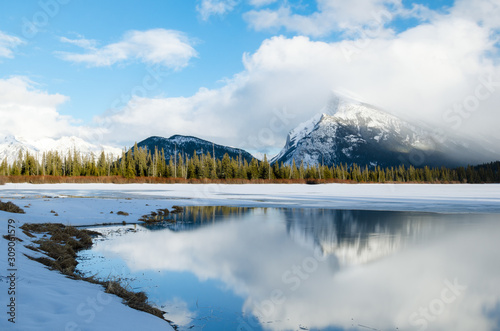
[[140, 162]]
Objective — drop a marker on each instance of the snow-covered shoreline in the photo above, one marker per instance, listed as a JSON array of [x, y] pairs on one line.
[[403, 197], [47, 300]]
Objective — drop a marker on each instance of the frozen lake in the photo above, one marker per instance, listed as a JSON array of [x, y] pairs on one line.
[[239, 268], [274, 257]]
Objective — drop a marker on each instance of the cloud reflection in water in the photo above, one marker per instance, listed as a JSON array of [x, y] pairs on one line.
[[329, 268]]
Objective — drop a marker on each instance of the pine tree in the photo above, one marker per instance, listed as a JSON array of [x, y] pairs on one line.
[[264, 169], [129, 166]]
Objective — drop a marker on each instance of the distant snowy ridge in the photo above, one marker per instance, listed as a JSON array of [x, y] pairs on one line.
[[355, 132], [12, 145]]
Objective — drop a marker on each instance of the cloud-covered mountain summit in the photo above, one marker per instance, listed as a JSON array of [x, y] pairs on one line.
[[355, 132]]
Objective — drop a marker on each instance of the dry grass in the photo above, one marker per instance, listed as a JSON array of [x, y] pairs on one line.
[[161, 212], [136, 300], [154, 180], [176, 210], [28, 234], [11, 238], [161, 215], [33, 248], [11, 207], [61, 247], [90, 180]]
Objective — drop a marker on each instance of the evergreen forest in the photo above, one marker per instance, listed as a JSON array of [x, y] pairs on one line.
[[143, 163]]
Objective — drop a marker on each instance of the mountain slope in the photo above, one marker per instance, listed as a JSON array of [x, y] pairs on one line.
[[12, 145], [187, 145], [362, 134]]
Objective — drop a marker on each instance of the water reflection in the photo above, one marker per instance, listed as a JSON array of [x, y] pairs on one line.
[[193, 217], [360, 236], [286, 269]]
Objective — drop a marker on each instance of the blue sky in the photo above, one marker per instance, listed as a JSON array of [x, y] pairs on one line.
[[219, 44], [227, 68]]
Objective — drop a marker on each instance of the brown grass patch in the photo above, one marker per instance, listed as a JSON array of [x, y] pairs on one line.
[[33, 248], [61, 247], [160, 215], [154, 180], [177, 210], [28, 234], [136, 300], [12, 238], [11, 207]]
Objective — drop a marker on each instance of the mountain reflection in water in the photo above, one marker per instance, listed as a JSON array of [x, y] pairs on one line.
[[286, 269]]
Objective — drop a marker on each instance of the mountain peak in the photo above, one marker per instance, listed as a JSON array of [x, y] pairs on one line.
[[12, 145], [355, 132], [297, 134], [188, 145], [303, 128]]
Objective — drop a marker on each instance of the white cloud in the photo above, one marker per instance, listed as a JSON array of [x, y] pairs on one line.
[[157, 46], [32, 114], [418, 74], [29, 112], [7, 44], [260, 3], [331, 16], [485, 12], [80, 42], [178, 312], [346, 291], [209, 8]]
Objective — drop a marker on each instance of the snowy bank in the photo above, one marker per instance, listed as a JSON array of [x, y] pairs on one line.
[[412, 197]]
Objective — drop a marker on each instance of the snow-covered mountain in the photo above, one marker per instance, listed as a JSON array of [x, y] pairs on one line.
[[187, 145], [10, 147], [355, 132]]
